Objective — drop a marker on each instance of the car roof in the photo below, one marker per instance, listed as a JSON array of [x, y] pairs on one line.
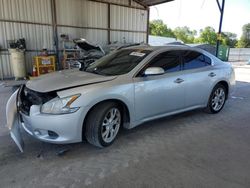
[[166, 47], [171, 47]]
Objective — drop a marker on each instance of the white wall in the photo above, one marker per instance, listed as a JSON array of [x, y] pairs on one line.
[[239, 54], [37, 36]]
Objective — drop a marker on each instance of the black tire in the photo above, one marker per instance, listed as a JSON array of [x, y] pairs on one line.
[[94, 121], [209, 109]]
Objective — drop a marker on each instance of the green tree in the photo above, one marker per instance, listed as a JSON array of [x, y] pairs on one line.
[[185, 34], [244, 41], [229, 39], [207, 35], [158, 28]]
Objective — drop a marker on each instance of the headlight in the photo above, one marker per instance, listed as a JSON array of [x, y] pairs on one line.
[[60, 105]]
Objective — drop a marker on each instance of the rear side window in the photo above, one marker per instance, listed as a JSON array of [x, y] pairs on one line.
[[169, 61], [193, 60]]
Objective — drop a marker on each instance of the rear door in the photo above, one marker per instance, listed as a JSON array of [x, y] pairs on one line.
[[159, 94], [199, 77]]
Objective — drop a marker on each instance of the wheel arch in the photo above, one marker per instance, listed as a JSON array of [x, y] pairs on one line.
[[222, 82], [125, 112], [226, 85]]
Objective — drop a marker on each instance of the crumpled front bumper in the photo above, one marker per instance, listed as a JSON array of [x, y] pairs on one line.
[[66, 128], [13, 121]]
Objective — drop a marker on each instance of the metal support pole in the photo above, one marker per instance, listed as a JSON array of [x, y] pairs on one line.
[[55, 34], [109, 24], [148, 17], [221, 8]]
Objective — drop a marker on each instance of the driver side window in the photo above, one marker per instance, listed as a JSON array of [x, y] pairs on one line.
[[169, 61]]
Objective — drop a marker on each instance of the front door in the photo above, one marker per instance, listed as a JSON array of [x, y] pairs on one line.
[[160, 94]]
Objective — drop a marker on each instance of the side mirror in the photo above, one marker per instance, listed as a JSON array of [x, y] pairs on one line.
[[154, 71]]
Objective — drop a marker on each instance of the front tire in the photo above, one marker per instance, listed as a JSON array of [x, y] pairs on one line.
[[103, 124], [217, 99]]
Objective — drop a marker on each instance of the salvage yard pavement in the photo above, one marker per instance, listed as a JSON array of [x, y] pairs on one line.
[[192, 149]]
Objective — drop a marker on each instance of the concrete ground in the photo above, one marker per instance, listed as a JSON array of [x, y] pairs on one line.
[[192, 149]]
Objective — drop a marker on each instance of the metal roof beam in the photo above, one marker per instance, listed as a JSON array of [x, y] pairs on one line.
[[151, 2]]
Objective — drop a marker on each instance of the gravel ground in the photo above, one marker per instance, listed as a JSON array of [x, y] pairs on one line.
[[192, 149]]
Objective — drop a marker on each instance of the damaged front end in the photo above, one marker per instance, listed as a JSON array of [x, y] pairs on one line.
[[27, 98], [21, 102], [13, 120]]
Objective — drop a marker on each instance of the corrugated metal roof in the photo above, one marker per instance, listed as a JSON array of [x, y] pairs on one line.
[[152, 2], [125, 18]]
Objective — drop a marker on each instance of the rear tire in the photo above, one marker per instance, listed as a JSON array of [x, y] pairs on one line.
[[217, 99], [103, 124]]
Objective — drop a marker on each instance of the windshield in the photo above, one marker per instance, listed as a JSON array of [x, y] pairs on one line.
[[118, 63]]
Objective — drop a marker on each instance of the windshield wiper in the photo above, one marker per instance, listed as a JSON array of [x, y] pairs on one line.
[[95, 71]]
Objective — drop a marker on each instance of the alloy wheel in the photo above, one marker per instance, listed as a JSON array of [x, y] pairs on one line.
[[218, 99], [111, 124]]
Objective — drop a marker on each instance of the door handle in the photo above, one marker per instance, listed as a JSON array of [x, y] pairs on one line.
[[178, 80], [212, 74]]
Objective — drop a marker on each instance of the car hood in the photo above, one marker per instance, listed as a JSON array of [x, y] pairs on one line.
[[65, 79]]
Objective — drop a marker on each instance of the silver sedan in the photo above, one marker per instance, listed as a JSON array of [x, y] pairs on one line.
[[123, 89]]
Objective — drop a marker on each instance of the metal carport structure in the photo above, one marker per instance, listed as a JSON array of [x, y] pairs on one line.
[[41, 22]]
